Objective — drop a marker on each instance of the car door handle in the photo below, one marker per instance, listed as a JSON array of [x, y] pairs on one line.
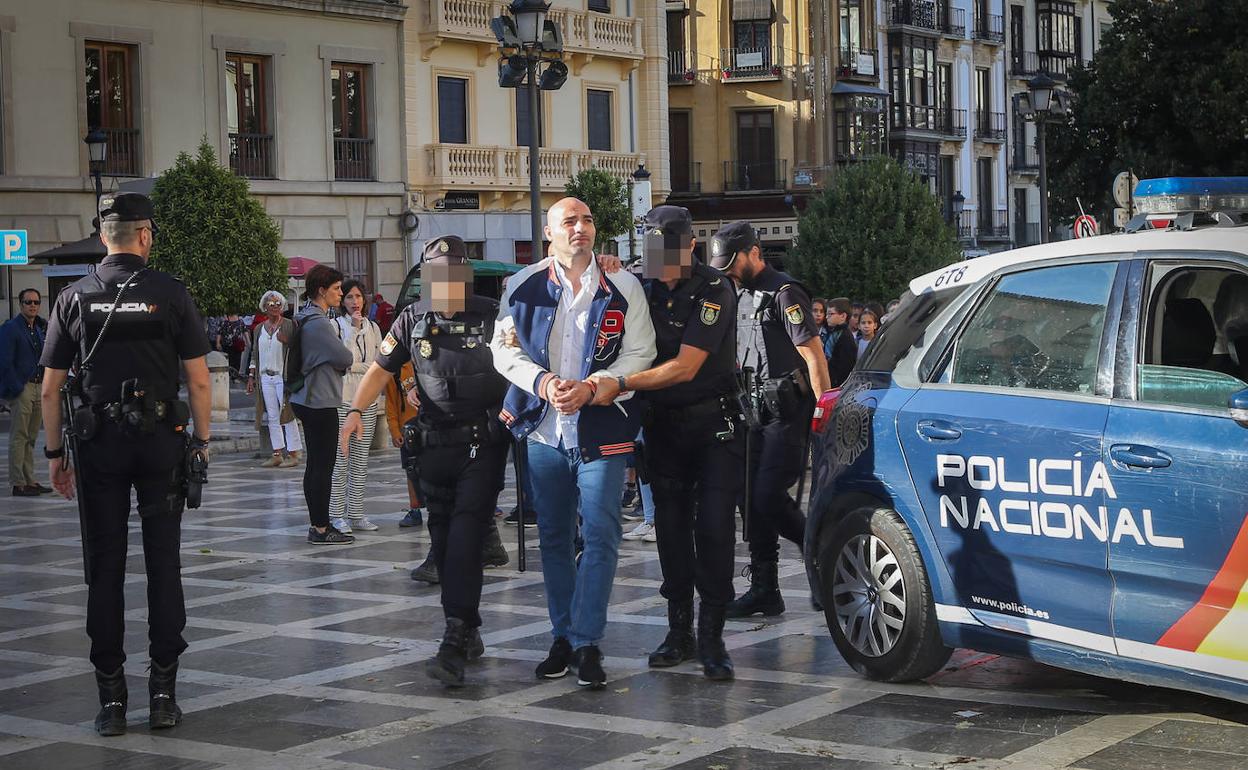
[[938, 430], [1136, 456]]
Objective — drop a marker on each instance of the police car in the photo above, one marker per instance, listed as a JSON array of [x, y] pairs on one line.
[[1044, 454]]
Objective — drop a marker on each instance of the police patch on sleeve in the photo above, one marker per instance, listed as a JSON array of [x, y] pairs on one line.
[[794, 314], [388, 344], [710, 313]]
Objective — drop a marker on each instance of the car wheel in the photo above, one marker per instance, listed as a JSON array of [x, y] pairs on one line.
[[877, 599]]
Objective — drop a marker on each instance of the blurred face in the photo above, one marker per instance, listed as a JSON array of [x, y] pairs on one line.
[[868, 325], [31, 302], [449, 286], [667, 257], [570, 229], [354, 301], [819, 312]]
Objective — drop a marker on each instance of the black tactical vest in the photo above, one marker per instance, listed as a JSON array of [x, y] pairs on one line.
[[455, 373]]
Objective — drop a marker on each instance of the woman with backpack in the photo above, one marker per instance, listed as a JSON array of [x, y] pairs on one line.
[[265, 362], [320, 361]]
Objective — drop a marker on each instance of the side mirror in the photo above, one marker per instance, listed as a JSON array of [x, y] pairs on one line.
[[1239, 407]]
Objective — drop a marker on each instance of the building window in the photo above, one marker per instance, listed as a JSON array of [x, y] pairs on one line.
[[474, 249], [453, 110], [602, 6], [860, 131], [1055, 27], [598, 115], [983, 182], [921, 158], [756, 167], [353, 143], [851, 26], [111, 97], [354, 259], [983, 89], [1078, 40], [912, 61], [522, 119], [751, 27], [945, 186], [246, 116], [524, 252]]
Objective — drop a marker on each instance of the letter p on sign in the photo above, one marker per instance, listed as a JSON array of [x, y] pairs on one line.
[[14, 247]]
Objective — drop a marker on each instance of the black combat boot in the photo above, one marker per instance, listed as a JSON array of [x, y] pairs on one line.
[[712, 655], [494, 554], [448, 665], [679, 644], [764, 594], [163, 711], [476, 647], [427, 572], [112, 717]]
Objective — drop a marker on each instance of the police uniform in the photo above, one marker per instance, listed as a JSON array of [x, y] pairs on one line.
[[694, 454], [773, 319], [131, 435], [459, 445]]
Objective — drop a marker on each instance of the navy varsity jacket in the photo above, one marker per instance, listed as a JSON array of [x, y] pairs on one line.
[[619, 342]]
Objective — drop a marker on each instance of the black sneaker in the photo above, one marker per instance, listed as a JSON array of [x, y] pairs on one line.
[[330, 536], [556, 663], [629, 500], [589, 671], [530, 518]]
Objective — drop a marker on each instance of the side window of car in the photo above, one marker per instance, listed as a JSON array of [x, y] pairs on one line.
[[1038, 329], [1195, 337]]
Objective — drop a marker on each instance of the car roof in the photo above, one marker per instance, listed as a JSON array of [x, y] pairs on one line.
[[1232, 239]]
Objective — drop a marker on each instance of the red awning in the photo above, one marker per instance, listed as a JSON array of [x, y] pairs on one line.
[[299, 266]]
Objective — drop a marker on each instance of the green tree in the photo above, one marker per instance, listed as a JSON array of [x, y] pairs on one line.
[[871, 231], [1165, 95], [215, 236], [607, 198]]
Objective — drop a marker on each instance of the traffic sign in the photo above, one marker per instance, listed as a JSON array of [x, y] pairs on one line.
[[1124, 184], [1085, 226], [13, 248]]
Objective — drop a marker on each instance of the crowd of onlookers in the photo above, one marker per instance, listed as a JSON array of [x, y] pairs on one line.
[[846, 329]]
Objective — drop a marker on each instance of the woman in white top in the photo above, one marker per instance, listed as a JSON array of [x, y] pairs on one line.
[[266, 363], [362, 337]]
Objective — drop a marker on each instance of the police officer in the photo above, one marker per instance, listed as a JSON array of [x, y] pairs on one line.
[[461, 445], [778, 341], [694, 438], [125, 328]]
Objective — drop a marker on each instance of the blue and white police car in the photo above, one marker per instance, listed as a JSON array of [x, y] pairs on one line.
[[1044, 454]]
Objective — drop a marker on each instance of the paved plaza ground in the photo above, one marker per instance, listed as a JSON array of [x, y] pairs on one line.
[[310, 657]]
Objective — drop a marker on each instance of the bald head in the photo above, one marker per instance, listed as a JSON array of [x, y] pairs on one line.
[[570, 229]]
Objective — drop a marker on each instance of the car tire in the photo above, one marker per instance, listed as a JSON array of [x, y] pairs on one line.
[[877, 598]]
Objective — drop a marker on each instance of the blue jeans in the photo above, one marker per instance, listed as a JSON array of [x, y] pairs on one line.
[[647, 502], [577, 597]]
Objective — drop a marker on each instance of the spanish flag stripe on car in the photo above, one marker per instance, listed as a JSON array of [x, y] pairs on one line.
[[1218, 624]]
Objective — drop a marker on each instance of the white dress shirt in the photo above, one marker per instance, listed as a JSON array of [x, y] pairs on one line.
[[567, 348]]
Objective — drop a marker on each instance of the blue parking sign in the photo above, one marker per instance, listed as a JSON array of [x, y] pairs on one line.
[[13, 248]]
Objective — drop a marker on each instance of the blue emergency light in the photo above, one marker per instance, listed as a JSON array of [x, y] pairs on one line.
[[1184, 194]]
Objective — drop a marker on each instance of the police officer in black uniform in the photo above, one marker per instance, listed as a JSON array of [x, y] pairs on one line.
[[461, 445], [776, 340], [694, 438], [125, 328]]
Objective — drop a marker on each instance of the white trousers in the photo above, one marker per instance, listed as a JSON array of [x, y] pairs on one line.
[[271, 387]]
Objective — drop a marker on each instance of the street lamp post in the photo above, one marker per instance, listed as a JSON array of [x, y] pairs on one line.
[[639, 178], [531, 48], [97, 154], [1043, 103]]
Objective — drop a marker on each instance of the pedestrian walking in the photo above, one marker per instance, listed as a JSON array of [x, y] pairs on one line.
[[265, 362], [317, 394], [362, 338], [21, 346], [778, 341], [572, 320], [460, 444], [694, 438], [231, 339], [128, 346]]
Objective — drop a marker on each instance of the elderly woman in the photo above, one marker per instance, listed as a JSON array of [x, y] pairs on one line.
[[265, 364]]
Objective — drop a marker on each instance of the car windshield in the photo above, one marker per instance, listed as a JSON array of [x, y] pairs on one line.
[[905, 328]]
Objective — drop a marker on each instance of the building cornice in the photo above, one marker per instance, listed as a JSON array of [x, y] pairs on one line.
[[379, 10]]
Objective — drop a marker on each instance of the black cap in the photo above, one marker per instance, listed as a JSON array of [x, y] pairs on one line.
[[729, 241], [671, 220], [127, 207], [447, 249]]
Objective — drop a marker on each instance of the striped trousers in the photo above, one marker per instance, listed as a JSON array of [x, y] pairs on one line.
[[346, 496]]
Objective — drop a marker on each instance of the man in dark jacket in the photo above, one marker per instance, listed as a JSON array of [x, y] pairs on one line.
[[21, 345], [840, 348]]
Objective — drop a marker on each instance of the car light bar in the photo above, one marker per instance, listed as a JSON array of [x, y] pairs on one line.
[[1176, 194]]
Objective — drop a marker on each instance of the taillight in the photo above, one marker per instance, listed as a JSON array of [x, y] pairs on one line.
[[823, 410]]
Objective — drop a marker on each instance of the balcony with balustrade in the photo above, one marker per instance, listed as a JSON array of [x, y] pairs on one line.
[[506, 169], [586, 34], [353, 160], [680, 69], [1025, 160], [1026, 233], [989, 126], [251, 155], [755, 176], [686, 178], [751, 64], [125, 156], [951, 22], [952, 123], [858, 64], [964, 224], [992, 225], [989, 27]]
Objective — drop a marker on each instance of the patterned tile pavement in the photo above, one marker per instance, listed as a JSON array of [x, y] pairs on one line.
[[306, 658]]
